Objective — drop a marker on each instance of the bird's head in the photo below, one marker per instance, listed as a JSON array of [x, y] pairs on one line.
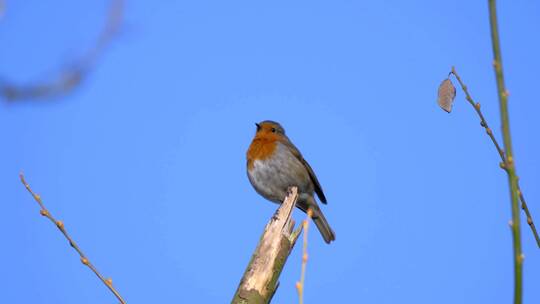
[[269, 129]]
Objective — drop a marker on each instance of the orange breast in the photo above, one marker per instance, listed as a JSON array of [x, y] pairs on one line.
[[260, 149]]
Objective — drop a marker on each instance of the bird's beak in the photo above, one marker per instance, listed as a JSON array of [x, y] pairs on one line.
[[258, 126]]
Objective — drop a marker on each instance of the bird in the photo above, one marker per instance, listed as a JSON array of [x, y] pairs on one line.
[[274, 164]]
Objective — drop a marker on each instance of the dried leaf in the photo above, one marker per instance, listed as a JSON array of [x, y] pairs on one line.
[[446, 95]]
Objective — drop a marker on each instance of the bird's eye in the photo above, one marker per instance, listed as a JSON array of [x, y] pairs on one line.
[[273, 130]]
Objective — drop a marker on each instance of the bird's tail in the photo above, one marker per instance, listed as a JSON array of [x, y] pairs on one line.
[[322, 224]]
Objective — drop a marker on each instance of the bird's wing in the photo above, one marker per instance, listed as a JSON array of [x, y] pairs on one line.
[[296, 152]]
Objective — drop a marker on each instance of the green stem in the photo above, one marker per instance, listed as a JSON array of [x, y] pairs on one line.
[[509, 164]]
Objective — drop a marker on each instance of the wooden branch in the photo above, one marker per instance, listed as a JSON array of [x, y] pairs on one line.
[[260, 281]]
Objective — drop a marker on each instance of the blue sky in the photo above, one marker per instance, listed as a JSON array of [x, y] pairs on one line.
[[145, 162]]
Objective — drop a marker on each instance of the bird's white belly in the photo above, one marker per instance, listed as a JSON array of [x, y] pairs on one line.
[[272, 176]]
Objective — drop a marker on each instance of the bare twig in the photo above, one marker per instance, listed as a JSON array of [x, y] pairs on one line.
[[260, 279], [300, 284], [489, 132], [70, 77], [2, 8], [509, 164], [60, 225]]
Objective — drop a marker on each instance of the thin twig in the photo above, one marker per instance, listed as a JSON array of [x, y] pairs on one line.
[[2, 8], [489, 132], [509, 164], [70, 77], [300, 284], [60, 225]]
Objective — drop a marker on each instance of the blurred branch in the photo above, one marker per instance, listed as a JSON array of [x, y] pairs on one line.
[[300, 284], [260, 280], [489, 132], [509, 164], [60, 225], [2, 8], [72, 76]]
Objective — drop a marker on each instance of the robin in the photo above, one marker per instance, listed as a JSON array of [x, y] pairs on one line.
[[274, 164]]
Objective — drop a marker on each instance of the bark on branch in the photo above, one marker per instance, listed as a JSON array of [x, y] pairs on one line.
[[260, 281]]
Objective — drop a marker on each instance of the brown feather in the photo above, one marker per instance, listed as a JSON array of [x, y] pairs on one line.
[[261, 148], [318, 189]]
